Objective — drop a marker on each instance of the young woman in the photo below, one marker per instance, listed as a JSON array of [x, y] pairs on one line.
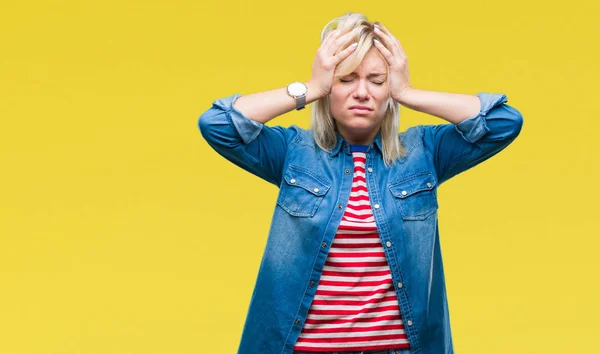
[[352, 262]]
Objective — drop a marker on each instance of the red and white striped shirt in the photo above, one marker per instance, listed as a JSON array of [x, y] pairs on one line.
[[355, 306]]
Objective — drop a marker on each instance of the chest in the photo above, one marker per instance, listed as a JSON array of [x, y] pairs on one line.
[[315, 183]]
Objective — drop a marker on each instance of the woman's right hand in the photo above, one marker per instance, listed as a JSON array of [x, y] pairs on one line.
[[326, 60]]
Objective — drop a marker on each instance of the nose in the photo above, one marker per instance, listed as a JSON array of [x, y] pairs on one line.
[[361, 92]]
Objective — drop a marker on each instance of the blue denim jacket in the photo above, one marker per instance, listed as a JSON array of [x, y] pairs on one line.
[[309, 210]]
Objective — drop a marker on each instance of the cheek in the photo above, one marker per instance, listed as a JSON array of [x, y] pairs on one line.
[[339, 92], [382, 97], [337, 102], [382, 92]]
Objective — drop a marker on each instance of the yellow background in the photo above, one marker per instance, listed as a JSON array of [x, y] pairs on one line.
[[122, 231]]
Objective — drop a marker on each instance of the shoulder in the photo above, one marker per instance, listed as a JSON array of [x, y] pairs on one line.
[[291, 134], [412, 137], [302, 136]]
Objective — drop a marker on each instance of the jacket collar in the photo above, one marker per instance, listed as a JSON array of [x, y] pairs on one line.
[[342, 144]]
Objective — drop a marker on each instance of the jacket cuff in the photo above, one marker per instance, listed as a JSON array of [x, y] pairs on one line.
[[475, 127], [247, 128]]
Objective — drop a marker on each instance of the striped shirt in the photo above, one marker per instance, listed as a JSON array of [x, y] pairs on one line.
[[355, 306]]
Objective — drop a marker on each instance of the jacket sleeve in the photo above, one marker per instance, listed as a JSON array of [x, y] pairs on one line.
[[458, 147], [251, 145]]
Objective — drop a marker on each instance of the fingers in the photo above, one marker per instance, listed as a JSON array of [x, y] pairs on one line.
[[389, 57], [339, 40], [392, 42], [328, 38], [344, 53], [381, 29], [384, 36]]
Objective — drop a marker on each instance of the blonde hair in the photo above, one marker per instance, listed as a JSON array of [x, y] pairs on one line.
[[323, 125]]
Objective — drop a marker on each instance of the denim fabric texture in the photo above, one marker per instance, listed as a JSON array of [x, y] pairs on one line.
[[314, 187]]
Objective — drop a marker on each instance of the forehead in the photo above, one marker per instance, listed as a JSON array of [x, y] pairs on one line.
[[373, 61]]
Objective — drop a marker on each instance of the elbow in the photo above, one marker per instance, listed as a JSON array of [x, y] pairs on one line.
[[215, 128], [208, 124], [516, 122], [204, 125]]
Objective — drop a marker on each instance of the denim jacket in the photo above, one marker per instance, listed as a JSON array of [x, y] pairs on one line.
[[314, 187]]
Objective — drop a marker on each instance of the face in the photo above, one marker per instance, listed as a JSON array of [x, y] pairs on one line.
[[358, 100]]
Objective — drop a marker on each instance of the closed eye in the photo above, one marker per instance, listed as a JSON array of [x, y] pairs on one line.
[[376, 83]]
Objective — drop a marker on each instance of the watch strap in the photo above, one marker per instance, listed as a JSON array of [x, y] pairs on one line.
[[300, 102]]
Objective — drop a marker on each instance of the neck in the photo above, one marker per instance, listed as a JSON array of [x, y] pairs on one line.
[[357, 137]]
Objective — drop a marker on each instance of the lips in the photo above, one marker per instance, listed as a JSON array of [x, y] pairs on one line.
[[361, 108]]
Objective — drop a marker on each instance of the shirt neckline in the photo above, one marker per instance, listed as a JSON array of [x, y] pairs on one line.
[[358, 148]]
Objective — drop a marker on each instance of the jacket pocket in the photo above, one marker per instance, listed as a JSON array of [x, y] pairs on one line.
[[301, 192], [415, 196]]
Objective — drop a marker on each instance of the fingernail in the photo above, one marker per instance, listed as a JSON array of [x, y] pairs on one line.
[[377, 41], [353, 44]]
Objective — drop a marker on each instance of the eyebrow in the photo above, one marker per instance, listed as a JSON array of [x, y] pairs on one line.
[[370, 75]]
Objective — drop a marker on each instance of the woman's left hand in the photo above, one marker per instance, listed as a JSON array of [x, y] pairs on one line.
[[397, 60]]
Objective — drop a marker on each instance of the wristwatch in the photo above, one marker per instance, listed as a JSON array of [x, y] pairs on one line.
[[297, 90]]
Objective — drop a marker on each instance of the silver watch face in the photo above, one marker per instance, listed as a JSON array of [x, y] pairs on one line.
[[297, 89]]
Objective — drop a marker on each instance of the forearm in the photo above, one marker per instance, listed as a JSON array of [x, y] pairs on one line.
[[453, 107], [264, 106]]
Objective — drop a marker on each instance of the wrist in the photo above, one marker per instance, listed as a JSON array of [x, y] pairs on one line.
[[313, 92], [403, 97]]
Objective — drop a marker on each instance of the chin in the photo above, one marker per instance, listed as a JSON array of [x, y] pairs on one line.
[[359, 122]]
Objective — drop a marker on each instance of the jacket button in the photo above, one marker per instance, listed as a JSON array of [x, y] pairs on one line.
[[324, 244], [347, 171], [312, 283], [409, 323], [388, 244], [376, 206], [428, 184], [297, 320], [370, 169], [403, 192], [316, 190], [339, 206], [400, 285], [292, 181]]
